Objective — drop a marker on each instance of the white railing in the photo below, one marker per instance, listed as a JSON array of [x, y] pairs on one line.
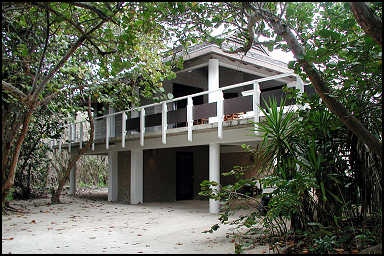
[[255, 92]]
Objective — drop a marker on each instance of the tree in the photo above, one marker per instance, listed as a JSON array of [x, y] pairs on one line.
[[368, 20], [294, 27], [74, 157], [31, 173], [48, 46]]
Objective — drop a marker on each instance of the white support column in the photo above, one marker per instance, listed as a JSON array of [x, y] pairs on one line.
[[136, 176], [190, 117], [164, 123], [298, 84], [142, 126], [220, 114], [214, 173], [113, 178], [213, 83], [72, 181], [256, 104], [123, 128]]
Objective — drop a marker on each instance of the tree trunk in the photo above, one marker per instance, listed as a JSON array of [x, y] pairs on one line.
[[55, 198], [368, 21], [8, 183], [322, 89]]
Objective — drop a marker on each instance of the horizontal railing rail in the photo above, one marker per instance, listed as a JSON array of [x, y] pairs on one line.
[[166, 117]]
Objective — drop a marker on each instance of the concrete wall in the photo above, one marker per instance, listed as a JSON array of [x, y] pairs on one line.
[[124, 176], [160, 172], [201, 168], [159, 175], [229, 160]]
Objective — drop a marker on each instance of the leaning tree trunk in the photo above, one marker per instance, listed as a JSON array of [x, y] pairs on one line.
[[368, 21], [323, 90], [55, 198]]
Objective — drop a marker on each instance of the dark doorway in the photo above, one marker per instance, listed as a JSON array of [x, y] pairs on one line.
[[184, 175], [180, 90]]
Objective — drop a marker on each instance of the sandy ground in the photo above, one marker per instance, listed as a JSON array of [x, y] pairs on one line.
[[91, 224]]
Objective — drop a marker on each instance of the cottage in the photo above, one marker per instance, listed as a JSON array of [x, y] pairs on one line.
[[163, 151]]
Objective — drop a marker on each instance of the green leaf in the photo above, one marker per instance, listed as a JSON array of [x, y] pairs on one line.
[[323, 191]]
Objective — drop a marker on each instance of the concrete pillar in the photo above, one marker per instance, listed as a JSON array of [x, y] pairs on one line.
[[213, 83], [113, 177], [214, 173], [136, 176], [72, 181]]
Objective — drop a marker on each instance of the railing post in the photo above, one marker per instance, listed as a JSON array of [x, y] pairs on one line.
[[60, 145], [70, 137], [190, 117], [256, 104], [81, 135], [74, 132], [94, 131], [142, 126], [123, 128], [220, 114], [164, 123], [107, 119]]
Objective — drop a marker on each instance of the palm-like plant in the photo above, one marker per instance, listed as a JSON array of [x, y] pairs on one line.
[[279, 129]]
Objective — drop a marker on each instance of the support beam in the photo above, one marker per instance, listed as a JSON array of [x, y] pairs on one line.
[[214, 173], [213, 83], [113, 177], [136, 176], [72, 181]]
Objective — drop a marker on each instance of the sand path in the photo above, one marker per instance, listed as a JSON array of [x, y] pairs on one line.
[[83, 225]]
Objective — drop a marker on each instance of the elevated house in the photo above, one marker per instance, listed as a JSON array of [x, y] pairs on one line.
[[163, 151]]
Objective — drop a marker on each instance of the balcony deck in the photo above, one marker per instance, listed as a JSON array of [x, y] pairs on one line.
[[133, 129]]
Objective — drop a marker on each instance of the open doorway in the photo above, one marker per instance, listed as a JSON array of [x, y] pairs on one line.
[[180, 90], [184, 175]]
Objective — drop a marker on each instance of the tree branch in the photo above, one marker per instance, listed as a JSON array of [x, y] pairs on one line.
[[78, 27], [37, 75], [69, 53], [93, 9], [14, 91]]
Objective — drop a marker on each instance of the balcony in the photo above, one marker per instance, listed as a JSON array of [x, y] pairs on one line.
[[133, 127]]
